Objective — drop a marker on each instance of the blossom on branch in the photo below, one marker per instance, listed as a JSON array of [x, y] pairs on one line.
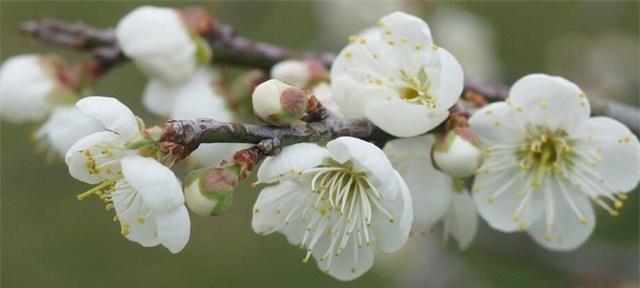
[[395, 76], [160, 43], [545, 158], [27, 87], [338, 203], [437, 197], [146, 195]]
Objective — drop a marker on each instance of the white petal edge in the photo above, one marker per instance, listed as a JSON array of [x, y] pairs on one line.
[[403, 119], [293, 159], [114, 115]]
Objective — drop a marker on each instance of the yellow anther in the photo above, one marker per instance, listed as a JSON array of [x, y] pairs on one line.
[[618, 204], [548, 237], [391, 42], [522, 226], [404, 40], [583, 221], [614, 213], [515, 217], [544, 104], [353, 270], [375, 55], [388, 32], [363, 41], [418, 47], [140, 219], [108, 207], [492, 199], [434, 46], [348, 55], [256, 211], [352, 38]]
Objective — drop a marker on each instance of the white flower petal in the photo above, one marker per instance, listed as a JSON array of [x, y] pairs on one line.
[[136, 219], [114, 115], [158, 42], [403, 119], [620, 166], [273, 206], [568, 232], [323, 93], [431, 190], [174, 229], [25, 89], [461, 221], [402, 24], [392, 234], [292, 159], [448, 79], [498, 196], [159, 187], [353, 97], [551, 101], [367, 158], [351, 264], [65, 127], [197, 99], [158, 97], [95, 157], [498, 124]]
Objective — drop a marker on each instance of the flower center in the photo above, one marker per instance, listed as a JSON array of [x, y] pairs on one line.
[[341, 192], [544, 154], [417, 89]]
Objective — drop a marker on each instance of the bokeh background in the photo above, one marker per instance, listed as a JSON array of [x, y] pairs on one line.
[[50, 239]]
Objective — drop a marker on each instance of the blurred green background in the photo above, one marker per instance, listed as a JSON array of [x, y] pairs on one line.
[[50, 239]]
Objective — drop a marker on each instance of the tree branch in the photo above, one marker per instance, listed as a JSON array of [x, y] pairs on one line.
[[231, 49], [181, 137]]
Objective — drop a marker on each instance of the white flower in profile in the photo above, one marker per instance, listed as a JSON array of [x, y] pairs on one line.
[[437, 197], [338, 203], [545, 158], [396, 77], [26, 88], [65, 127], [146, 195], [159, 43], [198, 99]]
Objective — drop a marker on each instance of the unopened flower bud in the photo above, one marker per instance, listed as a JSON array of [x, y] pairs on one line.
[[292, 72], [279, 104], [209, 191], [301, 74], [456, 153]]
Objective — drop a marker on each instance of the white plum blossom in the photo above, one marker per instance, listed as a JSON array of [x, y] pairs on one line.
[[338, 203], [198, 99], [65, 127], [545, 159], [146, 195], [437, 197], [27, 86], [159, 43], [395, 76]]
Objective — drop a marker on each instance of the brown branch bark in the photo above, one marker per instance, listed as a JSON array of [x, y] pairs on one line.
[[231, 49]]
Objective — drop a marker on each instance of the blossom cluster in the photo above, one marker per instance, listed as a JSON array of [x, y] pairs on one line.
[[535, 162]]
